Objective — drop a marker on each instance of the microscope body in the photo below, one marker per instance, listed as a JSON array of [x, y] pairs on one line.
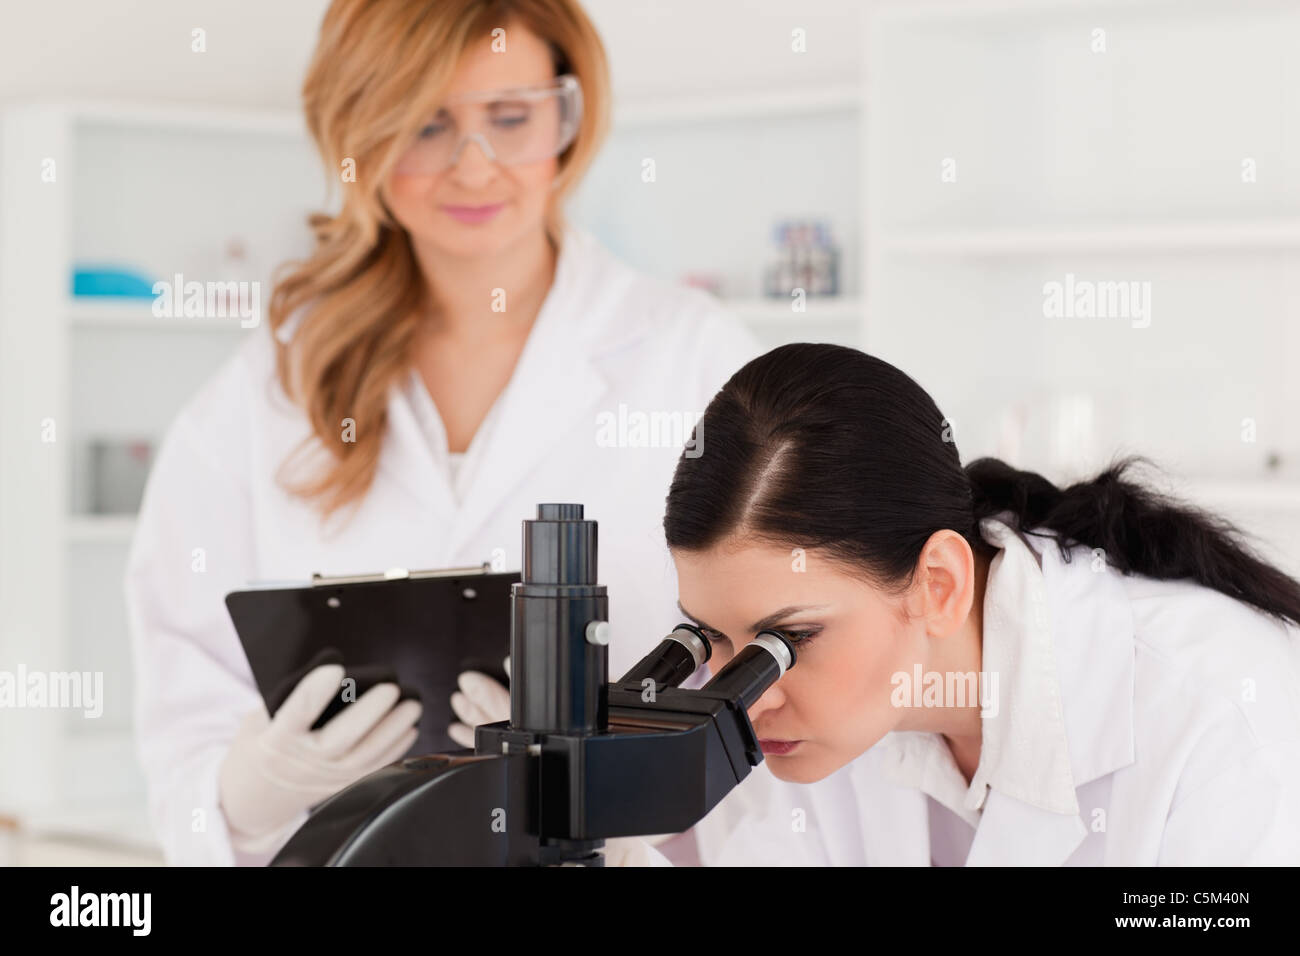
[[580, 760]]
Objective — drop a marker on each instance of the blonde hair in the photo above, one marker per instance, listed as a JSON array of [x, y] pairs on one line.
[[377, 68]]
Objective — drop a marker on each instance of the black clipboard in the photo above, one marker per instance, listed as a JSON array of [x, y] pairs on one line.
[[419, 628]]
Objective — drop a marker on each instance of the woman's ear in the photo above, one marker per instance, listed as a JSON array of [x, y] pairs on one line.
[[945, 580]]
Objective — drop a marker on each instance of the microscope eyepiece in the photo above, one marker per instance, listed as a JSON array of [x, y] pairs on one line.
[[759, 665], [693, 639], [782, 647], [678, 656]]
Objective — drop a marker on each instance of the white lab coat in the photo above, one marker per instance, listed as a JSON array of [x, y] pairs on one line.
[[1140, 723], [213, 518]]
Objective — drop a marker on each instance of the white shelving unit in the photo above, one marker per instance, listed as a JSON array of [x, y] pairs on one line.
[[1120, 164], [125, 194], [88, 529], [1223, 238], [767, 105], [798, 149], [133, 314]]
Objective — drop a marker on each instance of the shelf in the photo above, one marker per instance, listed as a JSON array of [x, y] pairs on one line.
[[1171, 236], [109, 312], [287, 123], [720, 107], [122, 826], [77, 851], [100, 528], [764, 311]]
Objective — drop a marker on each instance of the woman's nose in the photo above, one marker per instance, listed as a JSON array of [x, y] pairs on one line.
[[474, 162], [773, 699]]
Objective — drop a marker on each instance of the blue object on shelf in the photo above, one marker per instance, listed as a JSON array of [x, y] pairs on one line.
[[121, 283]]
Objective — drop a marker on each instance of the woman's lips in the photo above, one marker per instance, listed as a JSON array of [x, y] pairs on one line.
[[473, 213], [778, 748]]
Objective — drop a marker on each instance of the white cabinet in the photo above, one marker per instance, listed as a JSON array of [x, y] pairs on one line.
[[158, 192], [725, 169], [1098, 146]]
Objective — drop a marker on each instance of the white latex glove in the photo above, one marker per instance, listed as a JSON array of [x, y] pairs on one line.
[[277, 768], [480, 700], [633, 851]]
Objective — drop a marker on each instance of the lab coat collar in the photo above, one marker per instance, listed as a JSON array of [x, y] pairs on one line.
[[1025, 751], [555, 381], [1060, 637], [1095, 653], [555, 384], [410, 459]]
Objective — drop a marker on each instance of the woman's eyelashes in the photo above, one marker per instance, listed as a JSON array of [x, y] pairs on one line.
[[431, 130], [502, 115], [798, 636]]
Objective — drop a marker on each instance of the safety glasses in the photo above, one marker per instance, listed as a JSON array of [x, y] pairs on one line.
[[512, 127]]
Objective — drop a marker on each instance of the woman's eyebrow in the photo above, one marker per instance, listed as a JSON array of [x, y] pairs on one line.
[[693, 619], [774, 619], [770, 621]]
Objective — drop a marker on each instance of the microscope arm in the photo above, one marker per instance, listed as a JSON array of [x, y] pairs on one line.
[[580, 760], [661, 768]]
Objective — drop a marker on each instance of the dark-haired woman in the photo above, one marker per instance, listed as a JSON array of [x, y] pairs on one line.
[[989, 669]]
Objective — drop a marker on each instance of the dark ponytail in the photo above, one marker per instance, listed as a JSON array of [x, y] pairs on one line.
[[1138, 530], [821, 446]]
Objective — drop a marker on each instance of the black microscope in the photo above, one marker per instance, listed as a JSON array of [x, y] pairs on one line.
[[580, 760]]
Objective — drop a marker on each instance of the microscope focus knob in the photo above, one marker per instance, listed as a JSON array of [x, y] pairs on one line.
[[598, 632]]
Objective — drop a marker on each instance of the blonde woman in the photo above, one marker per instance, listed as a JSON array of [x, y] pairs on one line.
[[451, 354]]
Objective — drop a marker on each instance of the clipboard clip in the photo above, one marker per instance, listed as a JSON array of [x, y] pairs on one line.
[[399, 574]]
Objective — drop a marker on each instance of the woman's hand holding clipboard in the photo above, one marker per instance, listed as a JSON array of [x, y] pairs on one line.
[[480, 700], [278, 767]]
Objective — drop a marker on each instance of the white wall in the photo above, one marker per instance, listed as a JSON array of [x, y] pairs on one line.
[[257, 50]]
